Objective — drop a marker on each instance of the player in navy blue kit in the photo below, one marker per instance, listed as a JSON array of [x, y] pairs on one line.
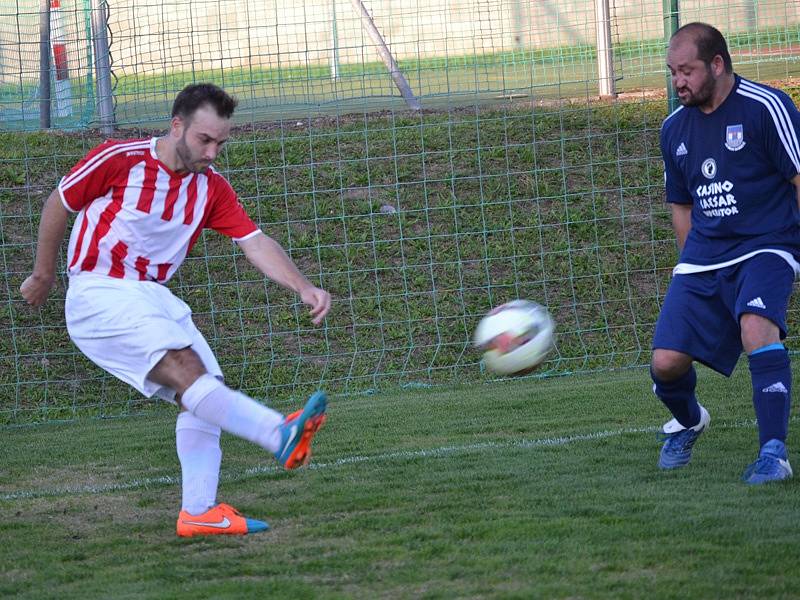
[[732, 172]]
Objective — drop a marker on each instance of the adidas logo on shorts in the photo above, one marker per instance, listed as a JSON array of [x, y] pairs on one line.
[[757, 303]]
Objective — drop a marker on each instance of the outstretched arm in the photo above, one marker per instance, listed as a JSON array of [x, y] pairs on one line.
[[52, 226], [266, 255]]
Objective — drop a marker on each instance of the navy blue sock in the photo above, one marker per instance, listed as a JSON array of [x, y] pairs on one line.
[[771, 374], [678, 396]]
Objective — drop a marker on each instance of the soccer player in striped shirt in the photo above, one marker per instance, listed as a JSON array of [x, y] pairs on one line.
[[732, 171], [140, 206]]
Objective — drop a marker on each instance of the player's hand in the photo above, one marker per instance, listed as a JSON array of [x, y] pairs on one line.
[[319, 300], [36, 288]]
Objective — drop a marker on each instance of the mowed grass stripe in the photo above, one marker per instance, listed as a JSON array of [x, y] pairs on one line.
[[440, 452]]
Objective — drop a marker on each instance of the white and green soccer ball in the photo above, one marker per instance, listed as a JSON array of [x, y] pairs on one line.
[[515, 337]]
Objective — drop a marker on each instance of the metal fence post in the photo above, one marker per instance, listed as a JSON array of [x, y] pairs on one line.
[[44, 64], [671, 24], [102, 66], [394, 70], [605, 55], [334, 43]]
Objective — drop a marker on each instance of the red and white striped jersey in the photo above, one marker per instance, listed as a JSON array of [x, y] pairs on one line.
[[137, 219]]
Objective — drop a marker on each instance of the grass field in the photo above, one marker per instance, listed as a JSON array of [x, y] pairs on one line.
[[562, 204], [535, 488], [530, 489]]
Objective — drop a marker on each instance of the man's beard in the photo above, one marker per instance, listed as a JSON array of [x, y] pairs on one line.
[[189, 162], [703, 95]]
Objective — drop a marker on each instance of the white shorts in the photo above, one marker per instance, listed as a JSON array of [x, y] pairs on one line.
[[127, 326]]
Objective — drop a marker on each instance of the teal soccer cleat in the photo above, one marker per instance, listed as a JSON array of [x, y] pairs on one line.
[[297, 430]]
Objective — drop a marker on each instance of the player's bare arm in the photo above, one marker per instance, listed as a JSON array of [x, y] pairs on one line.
[[796, 182], [52, 226], [266, 255], [681, 222]]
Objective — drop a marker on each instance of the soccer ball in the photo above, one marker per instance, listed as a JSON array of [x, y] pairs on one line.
[[516, 337]]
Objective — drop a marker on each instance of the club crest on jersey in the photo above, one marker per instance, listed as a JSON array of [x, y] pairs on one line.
[[709, 168], [734, 137]]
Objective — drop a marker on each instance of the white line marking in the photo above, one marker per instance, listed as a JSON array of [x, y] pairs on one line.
[[351, 460]]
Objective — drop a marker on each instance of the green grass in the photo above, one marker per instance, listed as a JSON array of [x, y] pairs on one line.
[[561, 204], [530, 489], [492, 204]]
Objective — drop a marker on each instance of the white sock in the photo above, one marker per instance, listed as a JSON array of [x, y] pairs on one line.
[[198, 448], [211, 400]]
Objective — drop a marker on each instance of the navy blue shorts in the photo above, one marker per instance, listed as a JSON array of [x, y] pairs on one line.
[[701, 311]]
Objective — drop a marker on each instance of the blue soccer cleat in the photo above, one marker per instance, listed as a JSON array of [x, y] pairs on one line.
[[297, 430], [772, 464], [678, 441]]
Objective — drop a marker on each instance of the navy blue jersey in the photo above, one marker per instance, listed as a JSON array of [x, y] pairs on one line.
[[734, 166]]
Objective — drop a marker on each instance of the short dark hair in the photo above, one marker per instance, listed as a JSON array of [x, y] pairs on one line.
[[709, 43], [196, 95]]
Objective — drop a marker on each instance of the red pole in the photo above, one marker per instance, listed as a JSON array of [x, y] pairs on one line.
[[63, 93]]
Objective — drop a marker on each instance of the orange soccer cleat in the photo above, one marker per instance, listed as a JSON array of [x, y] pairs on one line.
[[222, 519]]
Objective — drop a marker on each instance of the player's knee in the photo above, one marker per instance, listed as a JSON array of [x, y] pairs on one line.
[[758, 332], [668, 365], [178, 369]]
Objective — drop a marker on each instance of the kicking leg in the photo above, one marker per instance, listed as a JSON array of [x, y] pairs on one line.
[[208, 398]]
